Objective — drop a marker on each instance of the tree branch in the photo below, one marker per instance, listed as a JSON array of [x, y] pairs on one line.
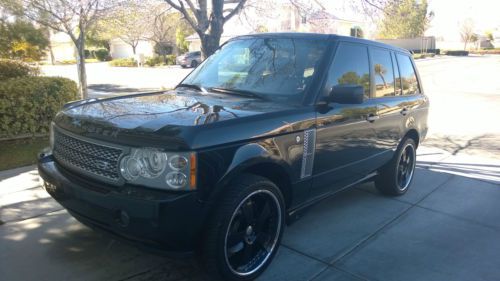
[[235, 11]]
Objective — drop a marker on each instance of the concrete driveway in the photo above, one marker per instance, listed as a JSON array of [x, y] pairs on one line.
[[447, 227]]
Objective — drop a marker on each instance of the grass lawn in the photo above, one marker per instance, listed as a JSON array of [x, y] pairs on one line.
[[18, 153]]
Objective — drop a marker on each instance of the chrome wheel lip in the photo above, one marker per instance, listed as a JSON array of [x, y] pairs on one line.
[[275, 240], [410, 166]]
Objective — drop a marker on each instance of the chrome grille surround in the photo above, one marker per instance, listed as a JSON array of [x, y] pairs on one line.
[[91, 158]]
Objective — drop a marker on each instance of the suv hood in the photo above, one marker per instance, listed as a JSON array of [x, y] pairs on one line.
[[173, 114]]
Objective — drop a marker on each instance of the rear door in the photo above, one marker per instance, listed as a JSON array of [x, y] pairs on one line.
[[345, 140], [391, 103]]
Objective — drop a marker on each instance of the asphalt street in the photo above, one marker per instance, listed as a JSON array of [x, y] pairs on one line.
[[447, 227]]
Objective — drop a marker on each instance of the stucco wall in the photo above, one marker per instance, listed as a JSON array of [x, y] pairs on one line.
[[119, 49], [429, 42]]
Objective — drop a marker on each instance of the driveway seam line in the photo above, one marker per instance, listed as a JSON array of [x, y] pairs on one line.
[[460, 218], [355, 275], [318, 274], [304, 254], [379, 230]]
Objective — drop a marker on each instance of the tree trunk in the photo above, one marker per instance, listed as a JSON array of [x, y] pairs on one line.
[[134, 46], [80, 65], [210, 42], [51, 52]]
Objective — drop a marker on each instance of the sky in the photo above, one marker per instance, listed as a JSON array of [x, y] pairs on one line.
[[485, 15], [448, 15]]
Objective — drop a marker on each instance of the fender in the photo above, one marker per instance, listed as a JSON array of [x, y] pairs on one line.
[[245, 157], [250, 155]]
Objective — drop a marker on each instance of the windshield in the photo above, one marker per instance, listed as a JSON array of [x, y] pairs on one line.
[[266, 67]]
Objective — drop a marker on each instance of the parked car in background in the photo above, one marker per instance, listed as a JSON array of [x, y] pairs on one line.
[[191, 59], [267, 126]]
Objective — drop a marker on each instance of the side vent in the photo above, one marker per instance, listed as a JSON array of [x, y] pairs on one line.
[[308, 155]]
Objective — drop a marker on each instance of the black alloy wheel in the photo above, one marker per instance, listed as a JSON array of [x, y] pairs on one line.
[[245, 230], [253, 232], [406, 167], [396, 177]]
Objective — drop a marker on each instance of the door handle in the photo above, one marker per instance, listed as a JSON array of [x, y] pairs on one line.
[[405, 111], [372, 118]]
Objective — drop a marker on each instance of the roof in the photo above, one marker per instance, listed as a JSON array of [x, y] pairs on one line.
[[320, 36]]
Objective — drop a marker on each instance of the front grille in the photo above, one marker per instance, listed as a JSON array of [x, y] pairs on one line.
[[88, 157]]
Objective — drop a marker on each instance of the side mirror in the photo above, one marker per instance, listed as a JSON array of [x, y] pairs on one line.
[[347, 94]]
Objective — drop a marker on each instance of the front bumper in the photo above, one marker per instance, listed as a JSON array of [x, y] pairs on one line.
[[163, 222]]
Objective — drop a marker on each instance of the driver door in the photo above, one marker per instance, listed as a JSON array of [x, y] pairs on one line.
[[345, 135]]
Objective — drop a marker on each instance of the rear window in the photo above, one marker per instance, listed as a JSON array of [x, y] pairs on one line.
[[384, 74], [408, 77]]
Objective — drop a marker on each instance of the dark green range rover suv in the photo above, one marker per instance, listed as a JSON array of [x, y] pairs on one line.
[[263, 128]]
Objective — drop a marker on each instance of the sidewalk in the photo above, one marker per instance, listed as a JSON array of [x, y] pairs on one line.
[[447, 227]]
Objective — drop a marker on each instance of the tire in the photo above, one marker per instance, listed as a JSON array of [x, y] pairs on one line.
[[241, 217], [194, 64], [396, 177]]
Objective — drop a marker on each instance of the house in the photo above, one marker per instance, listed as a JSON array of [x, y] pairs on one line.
[[64, 49], [119, 49]]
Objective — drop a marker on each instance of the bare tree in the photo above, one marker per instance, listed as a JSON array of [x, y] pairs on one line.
[[73, 17], [208, 19], [467, 32], [131, 22]]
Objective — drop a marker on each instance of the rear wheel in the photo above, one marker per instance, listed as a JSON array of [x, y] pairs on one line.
[[194, 64], [245, 231], [395, 178]]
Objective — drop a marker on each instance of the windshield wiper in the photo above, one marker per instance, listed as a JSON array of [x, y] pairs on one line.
[[192, 86], [237, 92]]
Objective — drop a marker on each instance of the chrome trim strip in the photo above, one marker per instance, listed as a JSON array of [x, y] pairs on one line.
[[308, 153]]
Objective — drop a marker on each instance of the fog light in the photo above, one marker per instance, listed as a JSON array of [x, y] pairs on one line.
[[122, 218], [176, 179]]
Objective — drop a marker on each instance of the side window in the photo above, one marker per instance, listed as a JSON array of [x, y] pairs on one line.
[[408, 77], [382, 70], [397, 80], [350, 66]]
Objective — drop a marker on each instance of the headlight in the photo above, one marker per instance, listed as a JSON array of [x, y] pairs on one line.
[[154, 168]]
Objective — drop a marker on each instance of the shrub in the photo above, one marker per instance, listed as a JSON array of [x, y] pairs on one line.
[[102, 54], [65, 62], [159, 60], [87, 53], [457, 53], [28, 104], [486, 52], [123, 62], [13, 69], [171, 59], [154, 61]]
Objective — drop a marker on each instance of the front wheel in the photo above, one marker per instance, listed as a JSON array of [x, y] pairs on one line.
[[245, 230], [395, 178]]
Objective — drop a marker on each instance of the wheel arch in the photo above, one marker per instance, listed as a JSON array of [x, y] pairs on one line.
[[255, 159], [413, 134]]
